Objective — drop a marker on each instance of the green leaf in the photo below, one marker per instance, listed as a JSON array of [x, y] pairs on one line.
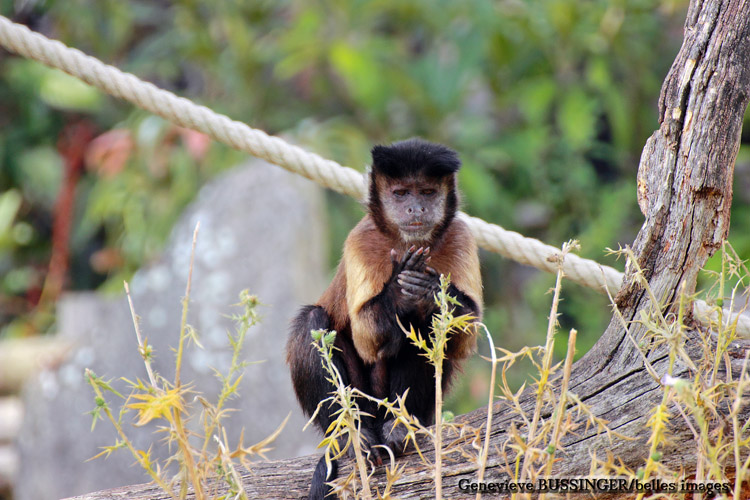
[[61, 90], [361, 73], [577, 119], [10, 202], [41, 171], [536, 98]]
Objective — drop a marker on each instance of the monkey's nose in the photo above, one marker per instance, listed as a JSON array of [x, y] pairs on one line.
[[411, 210]]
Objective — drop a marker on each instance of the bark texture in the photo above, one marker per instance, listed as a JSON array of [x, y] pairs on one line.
[[685, 194]]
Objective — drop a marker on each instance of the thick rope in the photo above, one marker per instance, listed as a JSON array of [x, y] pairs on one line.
[[21, 40], [542, 256], [18, 38]]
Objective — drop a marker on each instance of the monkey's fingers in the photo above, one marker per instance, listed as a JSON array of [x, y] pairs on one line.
[[395, 436], [415, 257], [427, 258], [421, 283], [416, 260], [416, 277], [398, 264], [404, 258], [428, 278], [369, 443], [414, 289]]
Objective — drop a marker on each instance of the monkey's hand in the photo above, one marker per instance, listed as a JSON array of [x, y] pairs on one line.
[[394, 302], [420, 286], [417, 282], [414, 259]]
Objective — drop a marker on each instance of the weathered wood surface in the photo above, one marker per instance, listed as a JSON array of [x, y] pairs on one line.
[[685, 193]]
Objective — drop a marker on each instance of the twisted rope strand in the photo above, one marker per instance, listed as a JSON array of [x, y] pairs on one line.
[[21, 40]]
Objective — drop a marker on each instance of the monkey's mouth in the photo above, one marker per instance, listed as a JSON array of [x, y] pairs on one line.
[[416, 229]]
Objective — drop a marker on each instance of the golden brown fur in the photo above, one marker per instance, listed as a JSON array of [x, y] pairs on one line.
[[366, 267]]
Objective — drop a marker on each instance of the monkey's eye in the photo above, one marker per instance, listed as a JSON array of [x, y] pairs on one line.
[[400, 192], [429, 192]]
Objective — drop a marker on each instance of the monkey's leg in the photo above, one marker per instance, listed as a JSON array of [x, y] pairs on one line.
[[305, 364], [379, 379], [309, 378], [409, 370], [312, 386]]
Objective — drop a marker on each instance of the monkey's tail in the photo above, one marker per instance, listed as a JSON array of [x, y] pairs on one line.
[[319, 490]]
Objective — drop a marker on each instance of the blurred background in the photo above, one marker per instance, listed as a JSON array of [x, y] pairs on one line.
[[549, 103]]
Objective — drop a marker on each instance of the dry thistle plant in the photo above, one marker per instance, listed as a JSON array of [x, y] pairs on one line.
[[203, 458], [722, 441], [444, 325], [344, 432], [534, 442], [484, 448]]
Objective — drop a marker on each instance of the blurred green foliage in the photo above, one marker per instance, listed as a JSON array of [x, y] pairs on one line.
[[548, 101]]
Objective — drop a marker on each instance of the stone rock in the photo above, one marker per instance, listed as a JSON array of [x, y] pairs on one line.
[[262, 229]]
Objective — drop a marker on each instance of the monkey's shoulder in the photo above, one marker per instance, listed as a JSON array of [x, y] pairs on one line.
[[366, 232], [364, 267], [458, 236], [333, 300], [455, 249], [367, 245], [458, 256]]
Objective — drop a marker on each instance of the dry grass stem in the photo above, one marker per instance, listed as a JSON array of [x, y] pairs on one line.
[[210, 470]]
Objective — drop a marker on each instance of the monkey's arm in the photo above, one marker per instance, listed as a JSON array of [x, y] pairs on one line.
[[373, 310], [423, 287]]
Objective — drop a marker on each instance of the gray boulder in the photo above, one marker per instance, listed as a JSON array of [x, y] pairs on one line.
[[262, 229]]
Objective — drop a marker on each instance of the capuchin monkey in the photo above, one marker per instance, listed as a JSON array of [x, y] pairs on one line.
[[389, 273]]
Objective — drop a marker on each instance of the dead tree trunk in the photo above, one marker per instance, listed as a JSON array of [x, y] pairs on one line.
[[685, 193]]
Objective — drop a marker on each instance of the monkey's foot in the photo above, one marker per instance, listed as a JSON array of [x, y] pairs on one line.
[[395, 436]]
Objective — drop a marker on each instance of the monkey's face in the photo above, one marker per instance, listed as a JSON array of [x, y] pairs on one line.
[[415, 206]]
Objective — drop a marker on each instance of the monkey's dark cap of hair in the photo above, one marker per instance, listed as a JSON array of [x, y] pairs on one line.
[[414, 157]]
